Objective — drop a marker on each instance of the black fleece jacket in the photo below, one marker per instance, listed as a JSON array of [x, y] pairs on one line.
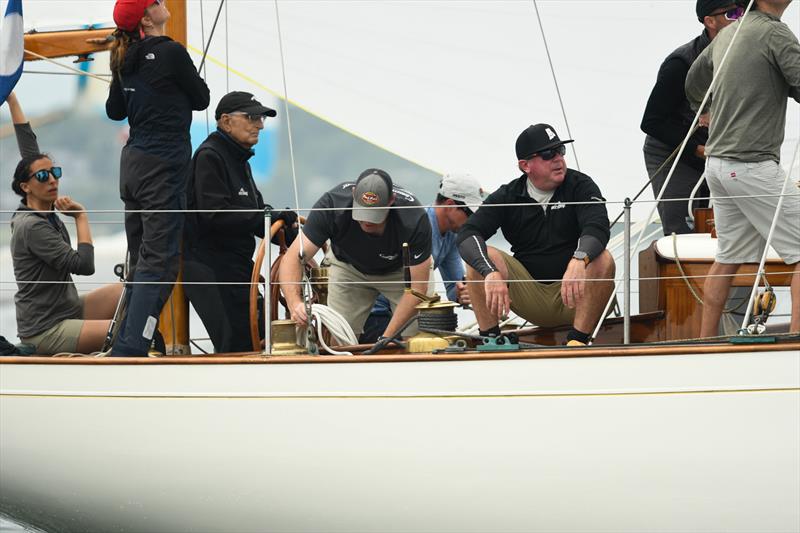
[[542, 241], [220, 178]]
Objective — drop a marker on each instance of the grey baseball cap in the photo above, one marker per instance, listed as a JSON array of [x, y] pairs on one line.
[[372, 196]]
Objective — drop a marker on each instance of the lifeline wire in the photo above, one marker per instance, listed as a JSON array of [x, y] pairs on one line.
[[695, 121], [555, 82]]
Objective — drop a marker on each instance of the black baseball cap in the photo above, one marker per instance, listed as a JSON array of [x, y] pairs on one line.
[[243, 102], [704, 8], [537, 138]]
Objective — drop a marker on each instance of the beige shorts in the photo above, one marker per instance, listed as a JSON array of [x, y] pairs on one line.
[[538, 303], [743, 223], [61, 338], [352, 293]]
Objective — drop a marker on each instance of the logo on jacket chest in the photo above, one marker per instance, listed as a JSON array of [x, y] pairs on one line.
[[243, 192]]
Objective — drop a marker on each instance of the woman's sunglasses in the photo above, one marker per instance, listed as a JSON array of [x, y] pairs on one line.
[[731, 14], [549, 154], [43, 175]]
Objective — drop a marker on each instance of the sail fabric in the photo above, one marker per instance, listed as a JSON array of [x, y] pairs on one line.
[[12, 48]]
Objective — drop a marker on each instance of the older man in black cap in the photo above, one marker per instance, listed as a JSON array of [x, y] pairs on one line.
[[667, 119], [219, 244], [558, 247]]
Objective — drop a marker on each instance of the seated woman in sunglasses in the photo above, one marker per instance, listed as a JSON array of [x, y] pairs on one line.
[[50, 314]]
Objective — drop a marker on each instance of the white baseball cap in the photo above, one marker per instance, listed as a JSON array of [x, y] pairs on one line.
[[462, 187]]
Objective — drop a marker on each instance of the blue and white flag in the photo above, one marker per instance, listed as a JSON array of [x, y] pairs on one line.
[[12, 48]]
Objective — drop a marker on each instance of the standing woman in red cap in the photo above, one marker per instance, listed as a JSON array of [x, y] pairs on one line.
[[156, 87]]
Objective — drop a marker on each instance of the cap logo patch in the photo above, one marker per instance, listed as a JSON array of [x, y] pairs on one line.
[[370, 198], [550, 133]]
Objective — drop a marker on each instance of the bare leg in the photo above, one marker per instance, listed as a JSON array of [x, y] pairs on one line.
[[101, 303], [477, 290], [795, 292], [715, 293], [596, 293], [92, 336]]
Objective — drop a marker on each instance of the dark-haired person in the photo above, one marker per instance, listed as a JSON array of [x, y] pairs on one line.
[[156, 87], [557, 247], [668, 116], [50, 314], [366, 250]]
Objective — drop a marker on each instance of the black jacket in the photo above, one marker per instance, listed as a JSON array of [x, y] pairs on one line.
[[220, 178], [543, 243], [668, 116], [157, 90]]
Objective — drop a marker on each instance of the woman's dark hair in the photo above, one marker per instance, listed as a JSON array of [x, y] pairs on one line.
[[119, 47], [23, 171]]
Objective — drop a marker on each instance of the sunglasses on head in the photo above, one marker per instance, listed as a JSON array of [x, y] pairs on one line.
[[734, 13], [550, 153], [42, 176]]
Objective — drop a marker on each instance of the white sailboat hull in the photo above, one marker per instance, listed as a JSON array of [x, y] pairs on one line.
[[706, 442]]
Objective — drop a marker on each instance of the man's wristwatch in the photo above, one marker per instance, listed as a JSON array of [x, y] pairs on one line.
[[581, 256]]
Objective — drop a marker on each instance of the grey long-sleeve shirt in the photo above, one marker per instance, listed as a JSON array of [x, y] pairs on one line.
[[748, 106], [41, 251]]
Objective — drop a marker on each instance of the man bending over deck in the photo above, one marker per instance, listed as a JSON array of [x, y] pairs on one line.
[[366, 239], [557, 246], [748, 118]]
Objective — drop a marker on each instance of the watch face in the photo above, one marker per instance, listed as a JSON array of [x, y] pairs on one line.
[[580, 255]]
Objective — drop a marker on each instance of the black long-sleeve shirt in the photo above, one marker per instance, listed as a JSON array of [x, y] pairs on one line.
[[543, 241], [156, 90], [668, 116]]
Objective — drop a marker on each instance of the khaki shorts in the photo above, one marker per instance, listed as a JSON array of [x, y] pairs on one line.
[[61, 338], [352, 293], [743, 223], [538, 303]]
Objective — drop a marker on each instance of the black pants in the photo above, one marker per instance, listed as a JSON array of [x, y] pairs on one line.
[[674, 213], [150, 183], [223, 308]]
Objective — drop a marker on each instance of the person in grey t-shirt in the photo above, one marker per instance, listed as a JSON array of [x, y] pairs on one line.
[[748, 118], [51, 316]]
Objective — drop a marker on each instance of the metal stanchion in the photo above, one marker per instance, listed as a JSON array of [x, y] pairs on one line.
[[265, 271], [627, 273]]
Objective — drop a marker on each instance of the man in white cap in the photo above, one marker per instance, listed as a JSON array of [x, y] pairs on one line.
[[366, 239]]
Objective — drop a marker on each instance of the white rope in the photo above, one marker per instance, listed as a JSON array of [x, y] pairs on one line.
[[555, 82], [336, 324], [73, 69], [761, 273], [682, 147], [690, 213]]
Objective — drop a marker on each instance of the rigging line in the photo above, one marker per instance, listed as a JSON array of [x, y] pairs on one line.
[[288, 122], [227, 62], [658, 170], [73, 69], [203, 39], [211, 35], [63, 73], [761, 273], [555, 82], [682, 146]]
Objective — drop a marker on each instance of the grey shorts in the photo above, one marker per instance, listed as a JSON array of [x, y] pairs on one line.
[[61, 338], [538, 303], [743, 224]]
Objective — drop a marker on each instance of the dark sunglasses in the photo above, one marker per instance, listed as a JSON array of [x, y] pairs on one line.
[[466, 210], [731, 14], [550, 153], [252, 117], [42, 176]]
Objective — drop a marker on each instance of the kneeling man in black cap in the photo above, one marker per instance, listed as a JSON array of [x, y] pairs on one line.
[[557, 246]]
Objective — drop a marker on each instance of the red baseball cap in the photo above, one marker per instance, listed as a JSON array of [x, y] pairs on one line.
[[128, 13]]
